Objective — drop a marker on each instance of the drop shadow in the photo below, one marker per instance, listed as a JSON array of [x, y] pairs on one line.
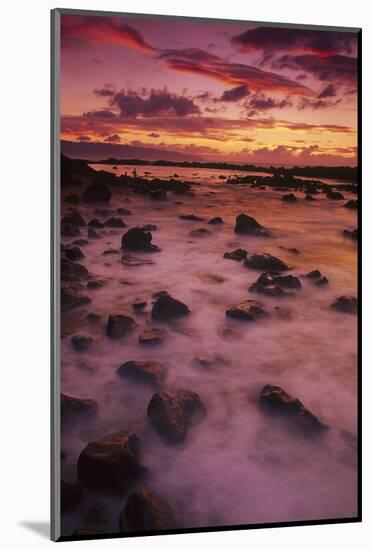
[[41, 528]]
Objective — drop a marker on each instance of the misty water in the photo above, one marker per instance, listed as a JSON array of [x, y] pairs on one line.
[[237, 466]]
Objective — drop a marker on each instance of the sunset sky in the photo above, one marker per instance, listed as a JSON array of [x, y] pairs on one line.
[[228, 92]]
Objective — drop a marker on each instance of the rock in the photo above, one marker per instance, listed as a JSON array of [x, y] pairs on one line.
[[310, 198], [72, 271], [166, 308], [70, 495], [109, 251], [80, 242], [71, 300], [201, 232], [124, 212], [352, 204], [73, 218], [69, 230], [315, 274], [321, 281], [291, 250], [152, 336], [274, 400], [191, 218], [335, 195], [352, 234], [289, 198], [215, 221], [111, 463], [158, 195], [73, 253], [346, 304], [249, 226], [249, 310], [238, 255], [95, 223], [104, 211], [96, 192], [149, 227], [146, 511], [139, 305], [134, 261], [80, 342], [151, 372], [71, 406], [272, 284], [172, 415], [137, 239], [93, 317], [97, 282], [114, 222], [265, 262], [92, 234], [119, 325]]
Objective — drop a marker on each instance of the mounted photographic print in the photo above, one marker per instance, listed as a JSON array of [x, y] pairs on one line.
[[205, 274]]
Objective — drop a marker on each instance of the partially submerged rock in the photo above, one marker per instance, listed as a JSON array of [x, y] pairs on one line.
[[274, 400], [239, 254], [351, 234], [172, 415], [72, 271], [266, 262], [92, 234], [191, 218], [216, 221], [150, 372], [119, 326], [96, 223], [96, 282], [152, 336], [81, 342], [71, 299], [201, 232], [70, 495], [249, 310], [72, 253], [346, 304], [166, 307], [97, 192], [272, 284], [249, 226], [315, 274], [134, 261], [111, 463], [335, 195], [138, 239], [352, 204], [71, 406], [73, 218], [289, 198], [146, 511], [114, 222], [69, 230]]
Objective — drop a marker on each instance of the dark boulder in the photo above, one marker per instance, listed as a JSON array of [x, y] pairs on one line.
[[274, 400], [74, 218], [150, 372], [70, 495], [111, 463], [346, 304], [139, 305], [215, 221], [123, 212], [152, 336], [201, 232], [289, 198], [71, 406], [92, 234], [249, 310], [238, 255], [97, 282], [265, 262], [191, 218], [158, 195], [249, 226], [69, 230], [310, 198], [335, 195], [80, 242], [95, 223], [80, 342], [272, 284], [71, 300], [146, 511], [315, 274], [351, 234], [322, 281], [72, 271], [166, 308], [352, 204], [114, 222], [138, 239], [172, 415], [97, 192], [119, 325], [73, 253], [109, 252]]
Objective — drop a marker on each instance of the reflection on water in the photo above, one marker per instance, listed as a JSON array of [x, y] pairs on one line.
[[236, 466]]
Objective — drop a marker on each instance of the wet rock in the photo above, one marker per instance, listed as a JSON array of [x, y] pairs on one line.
[[73, 253], [351, 234], [114, 222], [109, 252], [152, 336], [335, 195], [249, 226], [80, 342], [96, 224], [291, 250], [238, 255], [137, 239], [249, 310], [111, 463], [166, 308], [97, 282], [151, 372], [265, 262], [215, 221], [272, 284], [322, 281], [134, 261], [146, 511], [201, 232], [93, 317], [80, 242], [172, 415], [71, 406], [71, 300], [96, 192], [139, 305], [69, 230], [72, 271], [310, 198], [123, 212], [73, 218], [70, 495], [274, 400], [346, 304], [149, 227], [119, 326], [289, 198], [315, 274], [158, 195], [191, 218], [352, 204]]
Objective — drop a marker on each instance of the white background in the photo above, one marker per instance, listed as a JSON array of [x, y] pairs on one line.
[[24, 304]]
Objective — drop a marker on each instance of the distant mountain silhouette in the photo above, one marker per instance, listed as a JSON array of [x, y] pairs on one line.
[[96, 151]]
